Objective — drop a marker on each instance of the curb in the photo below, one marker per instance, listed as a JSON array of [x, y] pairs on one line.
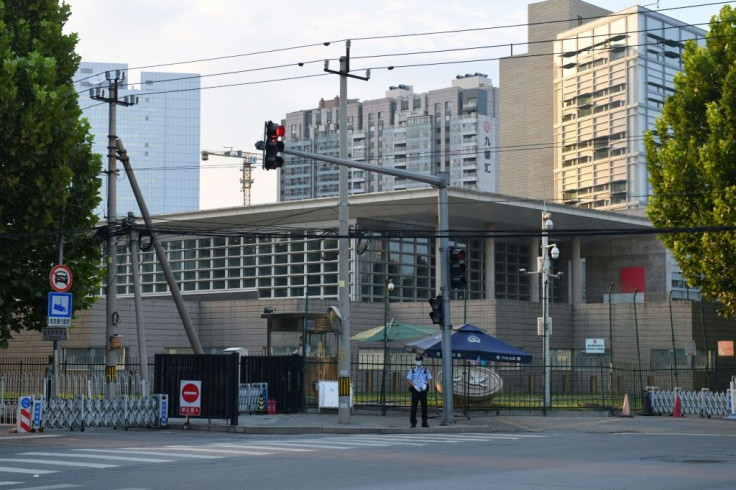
[[242, 429]]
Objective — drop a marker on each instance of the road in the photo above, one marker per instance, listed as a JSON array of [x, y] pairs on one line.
[[561, 457]]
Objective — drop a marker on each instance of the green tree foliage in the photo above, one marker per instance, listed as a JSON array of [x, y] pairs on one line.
[[692, 163], [49, 177]]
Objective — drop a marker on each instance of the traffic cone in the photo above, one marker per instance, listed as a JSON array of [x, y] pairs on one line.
[[677, 412], [626, 411]]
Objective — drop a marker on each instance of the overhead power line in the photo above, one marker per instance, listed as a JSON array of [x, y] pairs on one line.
[[395, 36]]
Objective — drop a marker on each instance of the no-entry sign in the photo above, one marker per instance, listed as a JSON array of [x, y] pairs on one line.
[[190, 397]]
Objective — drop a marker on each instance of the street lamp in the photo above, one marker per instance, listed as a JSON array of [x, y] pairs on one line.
[[386, 292], [544, 324]]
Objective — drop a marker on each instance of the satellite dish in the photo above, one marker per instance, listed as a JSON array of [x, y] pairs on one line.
[[100, 78], [333, 314]]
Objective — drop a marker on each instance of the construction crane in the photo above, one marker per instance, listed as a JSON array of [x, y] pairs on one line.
[[249, 159]]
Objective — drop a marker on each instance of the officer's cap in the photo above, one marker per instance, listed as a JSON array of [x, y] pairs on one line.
[[419, 358]]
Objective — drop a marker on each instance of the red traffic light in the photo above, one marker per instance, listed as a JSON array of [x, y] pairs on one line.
[[458, 268], [273, 145]]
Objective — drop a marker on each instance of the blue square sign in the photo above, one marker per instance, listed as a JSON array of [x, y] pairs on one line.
[[60, 308]]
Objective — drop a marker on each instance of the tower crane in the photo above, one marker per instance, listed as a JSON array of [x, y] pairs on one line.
[[249, 159]]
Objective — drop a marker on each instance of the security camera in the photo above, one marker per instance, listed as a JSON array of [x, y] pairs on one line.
[[548, 223], [555, 252], [522, 270], [390, 285]]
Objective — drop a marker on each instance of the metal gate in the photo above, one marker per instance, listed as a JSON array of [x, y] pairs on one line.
[[219, 377], [283, 375]]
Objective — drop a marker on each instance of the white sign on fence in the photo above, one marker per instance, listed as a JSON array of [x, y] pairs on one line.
[[595, 346], [190, 398]]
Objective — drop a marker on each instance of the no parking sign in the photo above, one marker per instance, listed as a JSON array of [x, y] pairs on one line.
[[190, 398]]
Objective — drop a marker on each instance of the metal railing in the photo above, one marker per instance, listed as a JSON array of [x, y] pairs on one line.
[[490, 387]]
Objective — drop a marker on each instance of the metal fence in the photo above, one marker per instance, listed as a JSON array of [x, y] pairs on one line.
[[503, 387], [380, 387]]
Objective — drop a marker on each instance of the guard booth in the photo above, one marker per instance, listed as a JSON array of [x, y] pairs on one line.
[[284, 330]]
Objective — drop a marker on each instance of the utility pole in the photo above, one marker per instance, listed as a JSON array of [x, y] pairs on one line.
[[111, 313], [544, 324], [142, 351], [343, 298], [443, 227]]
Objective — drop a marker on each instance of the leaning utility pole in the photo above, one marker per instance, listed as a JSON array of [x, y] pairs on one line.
[[160, 252], [343, 264], [111, 312]]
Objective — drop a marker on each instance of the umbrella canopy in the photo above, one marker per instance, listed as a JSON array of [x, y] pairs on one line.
[[469, 342], [396, 331]]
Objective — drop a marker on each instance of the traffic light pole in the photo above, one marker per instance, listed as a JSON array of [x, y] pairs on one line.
[[443, 232]]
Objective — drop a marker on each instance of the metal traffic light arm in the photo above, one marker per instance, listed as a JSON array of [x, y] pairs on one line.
[[443, 229]]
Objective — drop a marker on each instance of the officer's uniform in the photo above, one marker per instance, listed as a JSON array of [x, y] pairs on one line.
[[418, 378]]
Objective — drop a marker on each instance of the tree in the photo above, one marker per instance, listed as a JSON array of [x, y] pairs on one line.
[[691, 159], [49, 177]]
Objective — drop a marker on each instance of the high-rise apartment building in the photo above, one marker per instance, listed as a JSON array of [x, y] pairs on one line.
[[527, 109], [160, 134], [612, 76], [595, 81], [453, 129]]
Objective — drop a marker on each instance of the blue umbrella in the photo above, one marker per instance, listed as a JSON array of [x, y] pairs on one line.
[[469, 342]]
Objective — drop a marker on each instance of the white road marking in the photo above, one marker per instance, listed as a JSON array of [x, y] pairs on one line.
[[29, 436], [98, 456], [314, 444], [58, 463], [266, 447], [215, 450], [152, 451], [52, 487], [6, 469]]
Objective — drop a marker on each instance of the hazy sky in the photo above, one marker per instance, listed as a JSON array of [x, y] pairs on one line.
[[227, 36]]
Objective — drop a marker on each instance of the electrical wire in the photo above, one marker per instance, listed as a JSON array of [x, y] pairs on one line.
[[395, 36], [386, 67]]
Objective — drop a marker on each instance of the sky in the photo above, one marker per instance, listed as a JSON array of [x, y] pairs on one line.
[[265, 42]]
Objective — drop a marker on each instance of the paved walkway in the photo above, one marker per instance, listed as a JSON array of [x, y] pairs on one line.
[[311, 423], [398, 423]]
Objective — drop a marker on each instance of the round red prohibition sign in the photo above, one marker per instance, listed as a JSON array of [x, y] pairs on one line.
[[61, 278], [190, 393]]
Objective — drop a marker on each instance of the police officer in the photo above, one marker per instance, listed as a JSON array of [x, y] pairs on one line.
[[418, 378]]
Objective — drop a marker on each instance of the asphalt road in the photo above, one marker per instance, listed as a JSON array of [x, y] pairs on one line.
[[567, 455]]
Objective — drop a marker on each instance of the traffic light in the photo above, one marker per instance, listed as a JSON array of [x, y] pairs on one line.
[[458, 268], [436, 305], [273, 146]]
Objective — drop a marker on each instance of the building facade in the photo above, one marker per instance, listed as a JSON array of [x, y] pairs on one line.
[[612, 76], [594, 84], [259, 287], [160, 133], [527, 109], [453, 130]]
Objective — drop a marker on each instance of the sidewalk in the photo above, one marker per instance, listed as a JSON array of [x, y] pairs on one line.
[[327, 423], [398, 423]]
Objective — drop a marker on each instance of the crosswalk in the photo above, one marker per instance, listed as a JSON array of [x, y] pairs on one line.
[[36, 463]]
